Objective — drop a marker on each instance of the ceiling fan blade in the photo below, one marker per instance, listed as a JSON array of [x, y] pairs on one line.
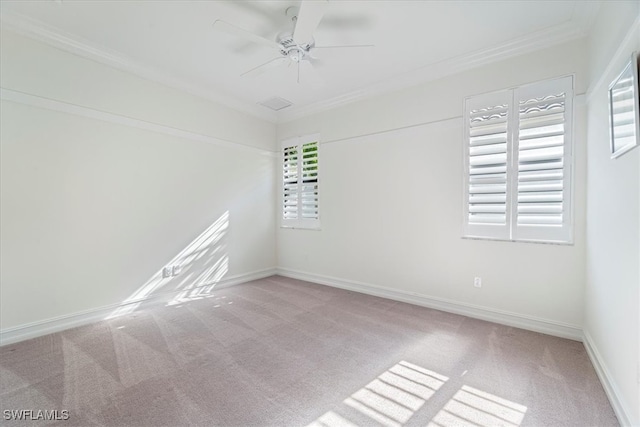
[[273, 63], [237, 31], [309, 16], [344, 46], [316, 62], [309, 75]]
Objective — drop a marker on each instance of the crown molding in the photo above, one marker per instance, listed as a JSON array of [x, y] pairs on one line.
[[576, 28], [530, 43], [585, 15], [41, 32], [618, 57]]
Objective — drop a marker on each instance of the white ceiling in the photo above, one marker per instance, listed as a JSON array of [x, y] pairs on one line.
[[174, 42]]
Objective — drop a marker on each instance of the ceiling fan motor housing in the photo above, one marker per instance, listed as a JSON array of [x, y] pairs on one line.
[[291, 50]]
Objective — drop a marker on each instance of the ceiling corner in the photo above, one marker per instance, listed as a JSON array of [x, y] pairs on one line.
[[584, 15]]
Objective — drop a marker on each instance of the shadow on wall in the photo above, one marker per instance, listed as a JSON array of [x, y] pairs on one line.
[[401, 391], [192, 273]]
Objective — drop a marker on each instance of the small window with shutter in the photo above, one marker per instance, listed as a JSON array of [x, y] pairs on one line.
[[300, 182], [518, 163]]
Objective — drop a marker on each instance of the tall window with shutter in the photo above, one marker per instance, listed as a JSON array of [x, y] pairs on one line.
[[300, 182], [518, 163]]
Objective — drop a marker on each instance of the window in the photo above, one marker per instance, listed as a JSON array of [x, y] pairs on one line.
[[300, 202], [518, 163]]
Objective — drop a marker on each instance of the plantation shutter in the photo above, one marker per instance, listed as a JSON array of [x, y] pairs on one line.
[[486, 164], [518, 163], [542, 164], [309, 189], [623, 111], [300, 182], [290, 183]]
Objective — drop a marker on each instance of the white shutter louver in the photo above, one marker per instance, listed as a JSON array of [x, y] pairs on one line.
[[486, 165], [309, 189], [624, 107], [623, 114], [517, 163], [300, 183], [290, 183], [542, 161]]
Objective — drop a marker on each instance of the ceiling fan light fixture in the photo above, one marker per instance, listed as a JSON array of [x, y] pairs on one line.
[[296, 54]]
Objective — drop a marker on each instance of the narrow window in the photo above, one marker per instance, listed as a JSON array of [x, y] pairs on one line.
[[300, 182]]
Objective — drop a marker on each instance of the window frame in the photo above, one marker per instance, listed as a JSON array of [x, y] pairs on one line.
[[298, 223], [512, 231]]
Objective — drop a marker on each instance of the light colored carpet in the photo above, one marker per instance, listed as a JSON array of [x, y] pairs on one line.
[[282, 352]]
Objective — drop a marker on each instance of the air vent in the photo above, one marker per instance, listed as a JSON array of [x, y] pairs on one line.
[[275, 103]]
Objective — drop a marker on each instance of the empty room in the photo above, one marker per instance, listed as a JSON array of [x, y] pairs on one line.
[[320, 213]]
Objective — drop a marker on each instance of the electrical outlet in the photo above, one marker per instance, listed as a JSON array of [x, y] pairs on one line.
[[166, 272], [175, 270], [477, 282]]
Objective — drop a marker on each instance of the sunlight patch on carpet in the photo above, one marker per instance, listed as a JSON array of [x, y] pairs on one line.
[[470, 406], [391, 399]]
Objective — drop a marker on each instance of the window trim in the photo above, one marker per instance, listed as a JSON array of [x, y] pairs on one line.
[[512, 232], [298, 223]]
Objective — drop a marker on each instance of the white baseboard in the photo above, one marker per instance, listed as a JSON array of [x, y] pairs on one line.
[[60, 323], [609, 385], [531, 323]]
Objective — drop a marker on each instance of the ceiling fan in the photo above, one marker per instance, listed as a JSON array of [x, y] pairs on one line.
[[294, 46]]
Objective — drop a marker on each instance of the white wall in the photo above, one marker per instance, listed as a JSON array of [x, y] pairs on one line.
[[391, 202], [100, 190], [612, 303]]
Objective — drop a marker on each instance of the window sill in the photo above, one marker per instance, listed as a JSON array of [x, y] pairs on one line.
[[542, 242], [297, 227]]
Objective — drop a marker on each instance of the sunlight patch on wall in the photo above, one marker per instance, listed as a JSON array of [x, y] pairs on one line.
[[202, 264], [202, 286]]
